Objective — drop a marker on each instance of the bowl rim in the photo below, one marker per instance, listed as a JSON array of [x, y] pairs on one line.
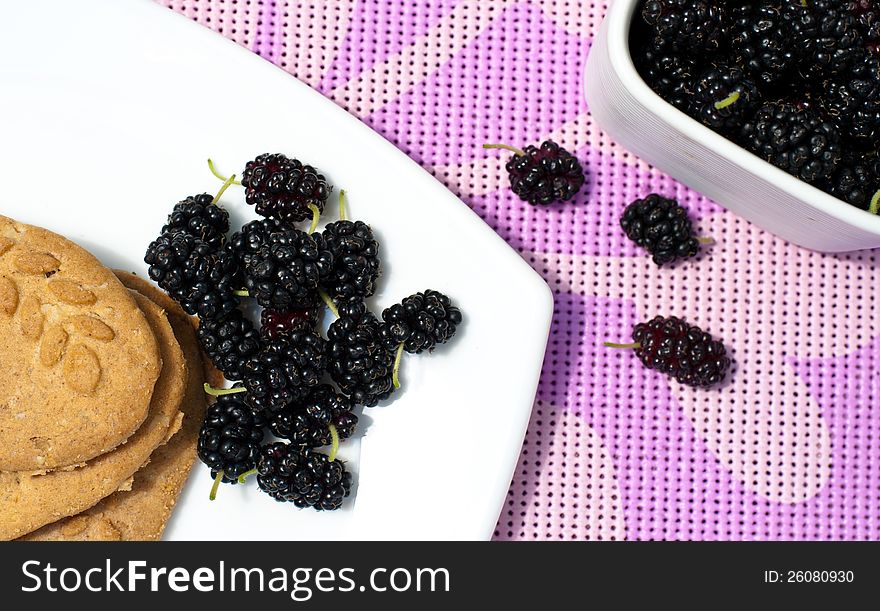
[[619, 19]]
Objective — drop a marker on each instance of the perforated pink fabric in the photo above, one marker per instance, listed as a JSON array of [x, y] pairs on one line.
[[788, 448]]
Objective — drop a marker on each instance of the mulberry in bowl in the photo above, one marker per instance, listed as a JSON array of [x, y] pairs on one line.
[[723, 80]]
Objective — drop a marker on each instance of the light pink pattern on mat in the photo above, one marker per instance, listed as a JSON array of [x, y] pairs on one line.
[[235, 20], [763, 425], [502, 86], [378, 31], [268, 39], [788, 449]]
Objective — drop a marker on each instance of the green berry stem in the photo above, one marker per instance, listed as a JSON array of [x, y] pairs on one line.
[[342, 204], [217, 479], [506, 147], [731, 99], [334, 436], [243, 477], [326, 299], [222, 190], [219, 175], [316, 215], [396, 371], [706, 240], [874, 208], [623, 346], [219, 392], [241, 293]]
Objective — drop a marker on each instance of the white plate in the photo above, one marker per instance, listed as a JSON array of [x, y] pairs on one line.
[[108, 112]]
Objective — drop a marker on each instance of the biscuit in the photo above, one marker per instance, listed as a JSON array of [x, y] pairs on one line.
[[142, 513], [79, 360], [29, 501]]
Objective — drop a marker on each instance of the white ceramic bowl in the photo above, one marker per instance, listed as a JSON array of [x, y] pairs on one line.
[[654, 130]]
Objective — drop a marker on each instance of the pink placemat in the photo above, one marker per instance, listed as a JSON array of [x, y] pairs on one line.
[[789, 448]]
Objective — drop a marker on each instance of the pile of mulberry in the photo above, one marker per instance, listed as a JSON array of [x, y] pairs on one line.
[[282, 366], [797, 83]]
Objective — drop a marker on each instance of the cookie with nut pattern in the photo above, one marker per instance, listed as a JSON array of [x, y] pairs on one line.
[[29, 501], [78, 362], [141, 514]]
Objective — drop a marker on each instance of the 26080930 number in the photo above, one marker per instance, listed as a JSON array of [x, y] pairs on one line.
[[819, 576]]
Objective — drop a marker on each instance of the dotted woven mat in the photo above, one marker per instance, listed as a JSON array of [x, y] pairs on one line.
[[789, 448]]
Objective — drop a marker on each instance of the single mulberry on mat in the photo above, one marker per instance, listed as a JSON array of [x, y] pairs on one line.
[[230, 438], [662, 227], [543, 175], [302, 476], [685, 352], [283, 188]]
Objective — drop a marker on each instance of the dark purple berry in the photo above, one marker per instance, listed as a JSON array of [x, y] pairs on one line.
[[282, 188], [682, 351]]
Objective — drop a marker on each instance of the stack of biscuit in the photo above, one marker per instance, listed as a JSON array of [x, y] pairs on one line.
[[101, 395]]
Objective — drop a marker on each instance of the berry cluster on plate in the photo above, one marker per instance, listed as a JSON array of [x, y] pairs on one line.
[[290, 380], [796, 82]]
